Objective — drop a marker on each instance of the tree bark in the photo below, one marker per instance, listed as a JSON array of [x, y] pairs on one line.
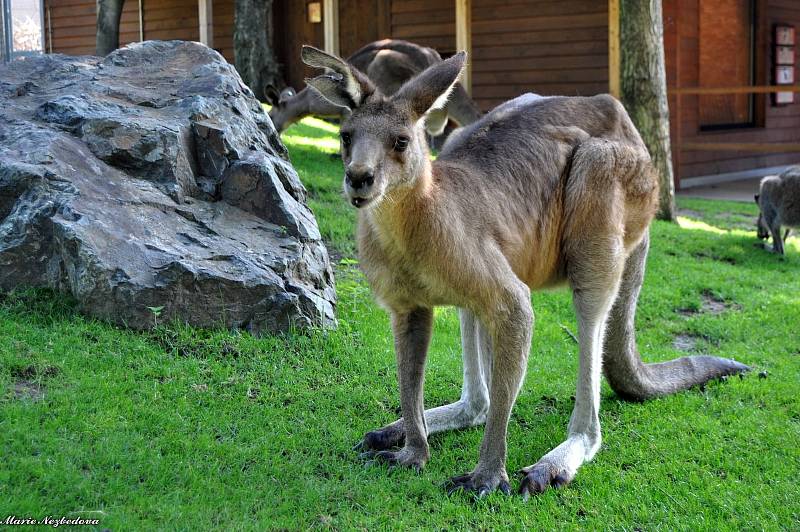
[[109, 13], [643, 86], [252, 45]]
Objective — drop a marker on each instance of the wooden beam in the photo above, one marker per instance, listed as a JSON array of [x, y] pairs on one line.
[[464, 39], [755, 89], [613, 49], [330, 22], [206, 12], [774, 147]]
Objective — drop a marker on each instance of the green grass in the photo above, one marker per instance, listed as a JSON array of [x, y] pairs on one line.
[[183, 428]]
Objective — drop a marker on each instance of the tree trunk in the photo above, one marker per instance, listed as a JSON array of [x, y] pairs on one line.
[[108, 15], [252, 45], [644, 88]]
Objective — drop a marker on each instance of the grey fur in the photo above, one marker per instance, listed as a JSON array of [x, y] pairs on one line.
[[779, 204], [538, 192], [388, 63]]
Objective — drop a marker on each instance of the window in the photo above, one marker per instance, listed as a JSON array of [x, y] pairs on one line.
[[726, 46], [21, 28]]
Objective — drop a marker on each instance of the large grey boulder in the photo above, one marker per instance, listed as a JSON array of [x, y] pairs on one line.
[[153, 178]]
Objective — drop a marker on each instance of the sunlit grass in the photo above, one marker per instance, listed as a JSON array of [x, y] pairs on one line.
[[688, 223], [329, 145], [192, 429]]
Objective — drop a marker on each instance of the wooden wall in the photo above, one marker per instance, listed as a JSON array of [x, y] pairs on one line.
[[223, 28], [292, 30], [542, 46], [362, 22], [427, 22], [773, 124], [73, 23]]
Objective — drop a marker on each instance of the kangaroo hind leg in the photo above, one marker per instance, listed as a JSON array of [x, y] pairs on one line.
[[594, 276]]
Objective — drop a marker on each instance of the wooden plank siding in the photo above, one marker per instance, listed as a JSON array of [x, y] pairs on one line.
[[426, 22], [772, 124], [74, 22], [292, 30], [542, 46], [518, 46], [223, 28], [74, 25], [362, 22]]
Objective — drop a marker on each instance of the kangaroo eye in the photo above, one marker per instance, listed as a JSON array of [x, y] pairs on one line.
[[346, 139], [400, 144]]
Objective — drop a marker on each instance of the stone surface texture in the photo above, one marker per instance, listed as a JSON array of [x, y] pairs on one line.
[[153, 178]]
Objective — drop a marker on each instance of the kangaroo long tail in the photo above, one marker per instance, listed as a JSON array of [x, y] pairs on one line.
[[633, 379]]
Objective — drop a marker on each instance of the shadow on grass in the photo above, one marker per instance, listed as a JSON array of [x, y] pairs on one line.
[[43, 307], [694, 239], [40, 305]]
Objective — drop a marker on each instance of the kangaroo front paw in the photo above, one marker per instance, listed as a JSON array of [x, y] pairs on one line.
[[480, 484], [538, 477], [385, 438]]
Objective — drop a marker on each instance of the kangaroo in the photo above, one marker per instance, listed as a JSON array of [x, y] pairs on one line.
[[779, 203], [388, 64], [538, 192]]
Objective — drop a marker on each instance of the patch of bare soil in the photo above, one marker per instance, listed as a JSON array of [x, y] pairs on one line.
[[27, 390], [27, 383], [715, 305], [709, 304]]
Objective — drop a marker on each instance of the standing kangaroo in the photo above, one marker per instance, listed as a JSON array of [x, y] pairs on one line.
[[388, 64], [779, 205], [537, 192]]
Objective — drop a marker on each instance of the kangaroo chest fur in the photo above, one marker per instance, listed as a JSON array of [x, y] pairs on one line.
[[414, 253], [399, 269]]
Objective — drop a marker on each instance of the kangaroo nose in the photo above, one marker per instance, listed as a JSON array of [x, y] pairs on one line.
[[359, 180]]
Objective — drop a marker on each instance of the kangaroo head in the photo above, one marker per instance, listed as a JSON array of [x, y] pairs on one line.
[[284, 110], [383, 138]]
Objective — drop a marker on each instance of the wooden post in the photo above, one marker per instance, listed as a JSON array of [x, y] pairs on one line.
[[677, 158], [330, 21], [613, 49], [464, 39], [141, 21], [206, 15]]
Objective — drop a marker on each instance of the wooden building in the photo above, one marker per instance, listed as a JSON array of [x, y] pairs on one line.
[[721, 56]]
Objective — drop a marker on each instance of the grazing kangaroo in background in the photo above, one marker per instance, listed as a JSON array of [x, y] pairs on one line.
[[538, 192], [388, 64], [779, 203]]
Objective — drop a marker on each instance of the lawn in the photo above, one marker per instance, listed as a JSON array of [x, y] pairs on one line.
[[182, 428]]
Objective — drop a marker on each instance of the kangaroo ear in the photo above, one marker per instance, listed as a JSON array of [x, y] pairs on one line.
[[431, 89], [756, 198], [343, 85], [271, 94]]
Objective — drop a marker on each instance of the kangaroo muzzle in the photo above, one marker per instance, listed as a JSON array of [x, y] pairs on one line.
[[359, 186], [360, 182]]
